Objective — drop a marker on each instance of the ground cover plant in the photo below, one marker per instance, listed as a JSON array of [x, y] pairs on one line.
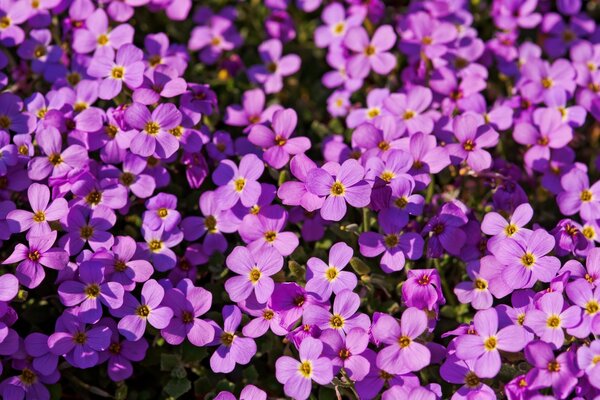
[[306, 199]]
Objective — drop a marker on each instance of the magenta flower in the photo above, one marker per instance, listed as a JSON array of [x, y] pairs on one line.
[[188, 303], [551, 317], [79, 345], [36, 221], [345, 352], [238, 183], [249, 392], [34, 257], [127, 68], [267, 232], [549, 370], [297, 376], [526, 260], [473, 136], [423, 289], [233, 349], [402, 353], [255, 270], [154, 136], [344, 316], [496, 225], [484, 346], [347, 186], [295, 193], [579, 196], [324, 279], [90, 291], [126, 267], [370, 54], [275, 66], [136, 314], [96, 36], [276, 142]]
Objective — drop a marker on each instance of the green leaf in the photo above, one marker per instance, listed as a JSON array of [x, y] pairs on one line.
[[359, 266], [169, 362], [177, 387]]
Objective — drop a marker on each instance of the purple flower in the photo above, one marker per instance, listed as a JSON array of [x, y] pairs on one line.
[[127, 68], [402, 353], [96, 36], [163, 81], [158, 246], [297, 376], [370, 54], [34, 257], [90, 292], [550, 317], [344, 316], [551, 371], [120, 353], [473, 136], [267, 231], [219, 36], [88, 226], [252, 110], [238, 183], [579, 196], [587, 357], [188, 303], [445, 231], [345, 352], [347, 186], [233, 349], [526, 259], [324, 279], [485, 345], [125, 267], [136, 314], [410, 110], [276, 142], [79, 345], [462, 372], [336, 25], [501, 229], [255, 270], [275, 67], [154, 136], [36, 222]]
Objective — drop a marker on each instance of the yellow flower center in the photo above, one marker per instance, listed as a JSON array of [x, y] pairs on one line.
[[370, 50], [94, 198], [227, 338], [162, 212], [39, 216], [331, 273], [239, 184], [152, 128], [254, 275], [5, 22], [338, 189], [547, 83], [102, 40], [553, 366], [490, 343], [55, 159], [592, 307], [338, 28], [270, 236], [336, 321], [404, 341], [391, 240], [305, 369], [127, 178], [553, 321], [589, 232], [34, 255], [80, 338], [268, 315], [408, 114], [142, 311], [471, 380], [117, 72], [511, 229], [480, 284], [469, 145], [177, 131], [92, 291], [40, 51], [586, 196], [155, 245], [528, 260], [210, 223], [387, 176], [373, 112]]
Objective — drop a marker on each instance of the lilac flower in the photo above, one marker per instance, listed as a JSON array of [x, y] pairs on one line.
[[125, 267], [297, 376], [36, 222], [370, 54], [526, 260], [88, 226], [188, 303], [255, 270], [276, 141], [486, 283], [252, 110], [402, 353], [90, 292], [348, 186], [238, 183], [127, 68], [296, 192], [267, 232], [324, 279], [12, 15], [581, 294], [249, 392], [218, 36], [163, 81], [423, 289], [344, 316], [540, 78], [494, 224], [8, 153], [158, 246], [346, 352], [79, 345], [34, 257], [463, 372], [410, 110], [473, 136], [275, 66], [136, 314], [585, 360], [154, 136], [395, 245], [551, 317], [233, 349], [549, 370], [337, 24], [485, 345], [579, 196], [120, 353], [96, 36]]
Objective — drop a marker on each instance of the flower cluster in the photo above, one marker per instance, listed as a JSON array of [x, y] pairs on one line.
[[344, 198]]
